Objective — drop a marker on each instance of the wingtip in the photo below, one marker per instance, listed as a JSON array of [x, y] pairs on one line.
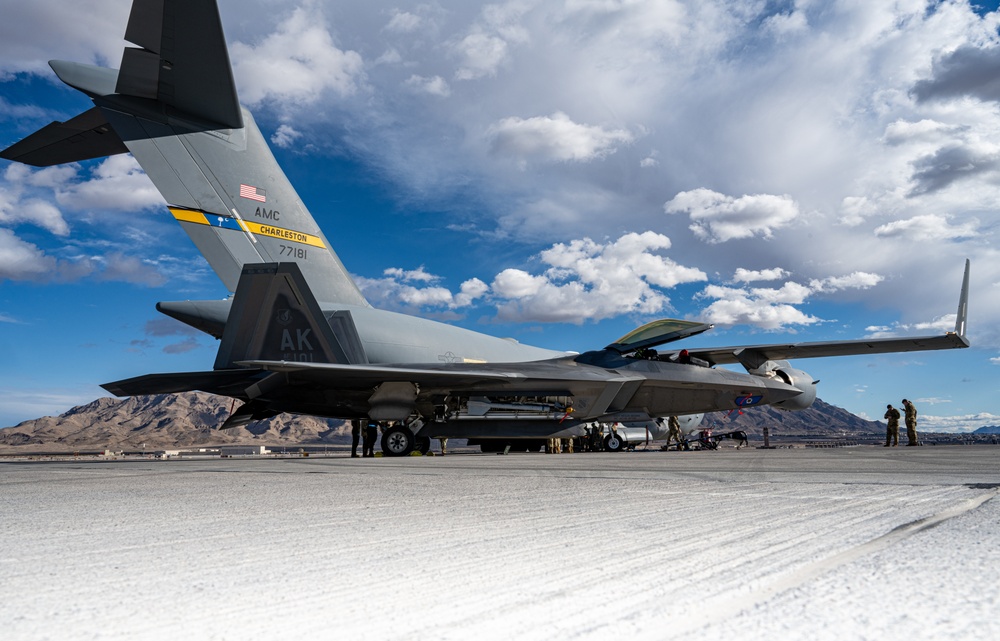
[[961, 319]]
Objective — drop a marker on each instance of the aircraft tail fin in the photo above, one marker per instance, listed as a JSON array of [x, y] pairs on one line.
[[173, 105], [181, 61], [275, 317]]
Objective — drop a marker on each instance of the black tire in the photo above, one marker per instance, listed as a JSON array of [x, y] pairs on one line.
[[614, 443], [397, 441], [423, 444]]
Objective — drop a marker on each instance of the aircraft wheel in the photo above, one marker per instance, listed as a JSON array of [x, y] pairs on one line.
[[397, 441], [423, 444], [613, 443]]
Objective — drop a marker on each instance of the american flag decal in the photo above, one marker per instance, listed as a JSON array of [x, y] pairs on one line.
[[253, 193]]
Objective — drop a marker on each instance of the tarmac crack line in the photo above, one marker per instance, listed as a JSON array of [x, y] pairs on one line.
[[819, 568]]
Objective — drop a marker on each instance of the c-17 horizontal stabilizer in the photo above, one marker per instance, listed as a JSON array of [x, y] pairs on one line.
[[84, 137]]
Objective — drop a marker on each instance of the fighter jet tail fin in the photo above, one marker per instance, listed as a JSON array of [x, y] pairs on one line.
[[275, 317], [173, 105]]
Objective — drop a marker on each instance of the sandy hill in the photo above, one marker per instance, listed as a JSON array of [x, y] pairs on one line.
[[185, 420], [822, 419], [166, 420]]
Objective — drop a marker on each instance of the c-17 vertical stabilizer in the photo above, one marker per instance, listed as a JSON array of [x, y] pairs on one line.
[[173, 104]]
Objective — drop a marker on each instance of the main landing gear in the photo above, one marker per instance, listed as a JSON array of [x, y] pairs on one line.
[[398, 440], [614, 443]]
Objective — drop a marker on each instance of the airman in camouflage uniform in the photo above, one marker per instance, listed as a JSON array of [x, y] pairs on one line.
[[355, 437], [892, 427], [673, 433], [911, 422]]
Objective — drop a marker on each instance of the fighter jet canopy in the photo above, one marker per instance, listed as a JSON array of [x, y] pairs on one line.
[[656, 333]]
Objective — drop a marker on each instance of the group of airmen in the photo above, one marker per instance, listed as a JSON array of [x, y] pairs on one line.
[[367, 432], [591, 441], [892, 425]]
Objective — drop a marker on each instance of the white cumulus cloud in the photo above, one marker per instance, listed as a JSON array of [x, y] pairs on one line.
[[717, 218], [773, 308], [296, 63], [929, 227], [555, 138], [116, 183], [481, 54], [744, 275], [587, 280], [435, 86], [417, 290], [285, 136], [403, 22], [758, 307], [855, 280]]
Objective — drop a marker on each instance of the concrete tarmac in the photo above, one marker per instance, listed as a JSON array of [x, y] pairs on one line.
[[848, 543]]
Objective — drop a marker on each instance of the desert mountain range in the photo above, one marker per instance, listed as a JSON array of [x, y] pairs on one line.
[[189, 419]]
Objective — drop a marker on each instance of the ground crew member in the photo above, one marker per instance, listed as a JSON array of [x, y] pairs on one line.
[[911, 422], [674, 432], [444, 445], [892, 427], [355, 437], [596, 438], [370, 436]]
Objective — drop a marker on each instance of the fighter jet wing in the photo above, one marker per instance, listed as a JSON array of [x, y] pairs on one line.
[[752, 356], [454, 375], [758, 354], [215, 382]]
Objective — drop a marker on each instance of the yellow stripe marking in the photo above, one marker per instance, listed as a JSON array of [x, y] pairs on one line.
[[197, 217], [189, 216], [284, 234]]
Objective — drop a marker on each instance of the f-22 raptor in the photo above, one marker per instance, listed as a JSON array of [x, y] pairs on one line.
[[298, 335]]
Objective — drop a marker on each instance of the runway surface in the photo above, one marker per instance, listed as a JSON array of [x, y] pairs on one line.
[[848, 543]]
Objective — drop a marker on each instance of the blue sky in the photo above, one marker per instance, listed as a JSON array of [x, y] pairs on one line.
[[790, 171]]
